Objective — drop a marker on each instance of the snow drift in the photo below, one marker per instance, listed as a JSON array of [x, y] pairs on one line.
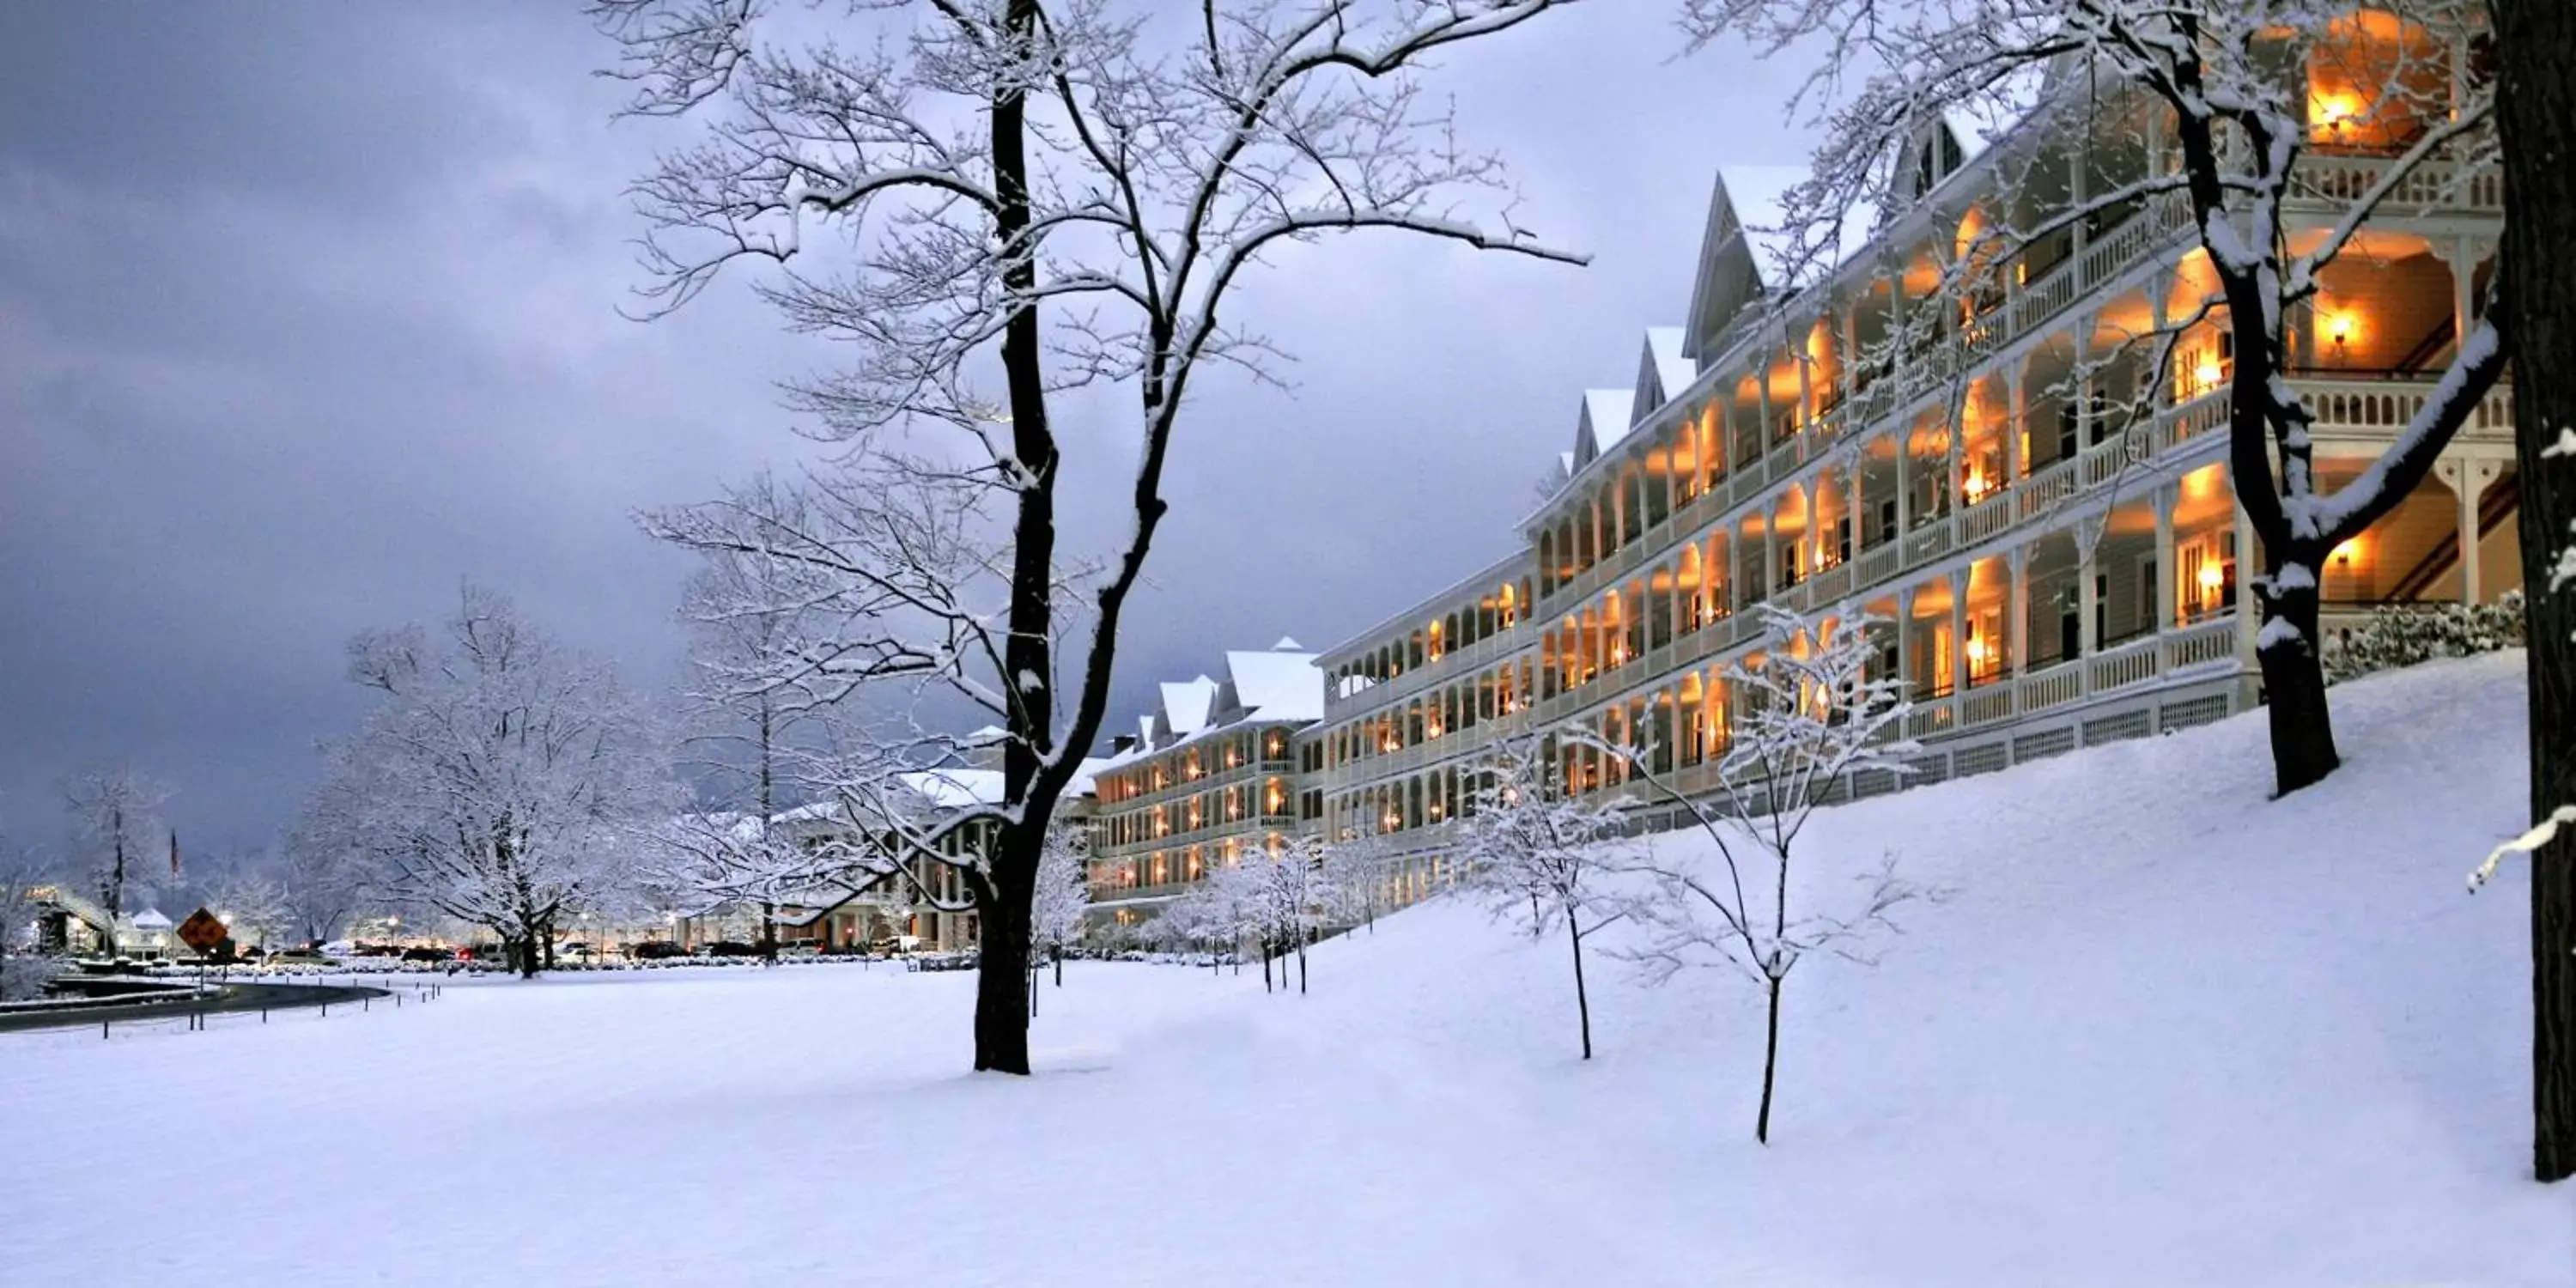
[[2164, 1031]]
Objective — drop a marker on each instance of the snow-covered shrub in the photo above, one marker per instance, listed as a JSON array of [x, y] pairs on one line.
[[2406, 635], [22, 978]]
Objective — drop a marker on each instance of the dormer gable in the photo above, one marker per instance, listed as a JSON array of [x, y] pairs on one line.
[[1605, 420], [1662, 372]]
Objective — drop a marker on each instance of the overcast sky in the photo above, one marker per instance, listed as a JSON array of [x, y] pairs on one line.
[[308, 310]]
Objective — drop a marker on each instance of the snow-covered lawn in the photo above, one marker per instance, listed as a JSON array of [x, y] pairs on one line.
[[2164, 1032]]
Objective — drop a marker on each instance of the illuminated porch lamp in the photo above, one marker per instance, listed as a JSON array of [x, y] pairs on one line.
[[2333, 113], [2340, 327], [2343, 554]]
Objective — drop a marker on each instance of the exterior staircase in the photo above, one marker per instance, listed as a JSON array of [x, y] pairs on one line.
[[2494, 508]]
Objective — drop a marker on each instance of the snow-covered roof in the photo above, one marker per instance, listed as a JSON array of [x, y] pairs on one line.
[[956, 788], [151, 919], [1185, 704], [1605, 420], [1086, 775], [1279, 684], [1663, 371]]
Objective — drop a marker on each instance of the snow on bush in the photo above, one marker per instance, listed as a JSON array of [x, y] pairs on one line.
[[23, 978], [2406, 635]]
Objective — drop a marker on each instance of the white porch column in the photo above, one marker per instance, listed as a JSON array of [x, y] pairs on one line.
[[2016, 425], [1959, 631], [2087, 596], [2165, 571], [2475, 476], [2247, 611], [1859, 534], [1847, 333], [1905, 638], [2017, 628], [2463, 259], [1904, 480], [1770, 559], [2082, 392], [1810, 503]]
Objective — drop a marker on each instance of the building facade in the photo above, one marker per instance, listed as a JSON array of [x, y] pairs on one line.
[[1216, 770], [2038, 510]]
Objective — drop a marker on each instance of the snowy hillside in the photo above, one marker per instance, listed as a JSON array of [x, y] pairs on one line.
[[2163, 1032]]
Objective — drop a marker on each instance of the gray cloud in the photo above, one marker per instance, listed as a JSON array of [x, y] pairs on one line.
[[307, 310]]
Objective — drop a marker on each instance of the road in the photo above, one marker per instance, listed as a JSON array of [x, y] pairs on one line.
[[220, 1000]]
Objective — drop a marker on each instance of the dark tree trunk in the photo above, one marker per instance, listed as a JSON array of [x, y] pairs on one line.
[[2536, 109], [769, 933], [2294, 679], [1058, 954], [115, 881], [1582, 1000], [1301, 964], [1002, 954], [1004, 899], [1265, 965], [1770, 1066]]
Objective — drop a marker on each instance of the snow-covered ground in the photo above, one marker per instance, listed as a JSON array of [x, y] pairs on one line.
[[2163, 1032]]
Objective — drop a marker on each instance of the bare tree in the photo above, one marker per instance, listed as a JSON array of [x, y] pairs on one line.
[[1208, 917], [246, 893], [1040, 186], [1063, 897], [115, 826], [1358, 870], [1807, 715], [2212, 98], [321, 872], [23, 871], [1542, 858], [743, 610], [501, 780]]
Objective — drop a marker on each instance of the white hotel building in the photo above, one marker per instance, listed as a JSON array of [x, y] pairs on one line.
[[1776, 447]]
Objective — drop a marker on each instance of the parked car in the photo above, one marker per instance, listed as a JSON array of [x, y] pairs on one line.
[[654, 950], [731, 948], [428, 955], [298, 957]]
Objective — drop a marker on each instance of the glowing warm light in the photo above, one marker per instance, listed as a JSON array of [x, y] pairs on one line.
[[2207, 374], [2332, 112], [2344, 553], [2211, 578], [2340, 328], [1976, 652]]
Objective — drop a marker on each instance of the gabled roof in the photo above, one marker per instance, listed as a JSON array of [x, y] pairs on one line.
[[956, 788], [1277, 684], [1186, 704], [1605, 421], [1662, 372], [1748, 257]]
